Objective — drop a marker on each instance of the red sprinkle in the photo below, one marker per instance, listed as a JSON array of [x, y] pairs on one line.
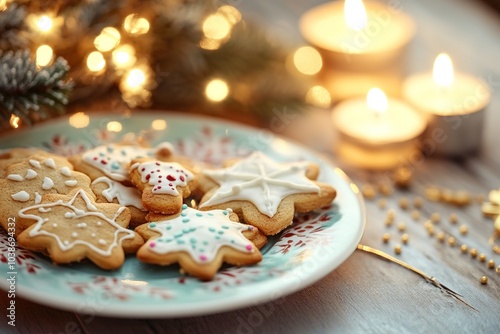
[[157, 164], [95, 158], [104, 162], [171, 178], [148, 177], [182, 178], [159, 181], [159, 187], [143, 169], [158, 170], [170, 184], [159, 176]]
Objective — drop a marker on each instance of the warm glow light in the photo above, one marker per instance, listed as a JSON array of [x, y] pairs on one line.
[[14, 121], [377, 101], [355, 14], [3, 5], [318, 96], [136, 25], [210, 44], [107, 40], [79, 120], [43, 55], [231, 13], [124, 56], [443, 70], [96, 61], [159, 124], [44, 23], [114, 126], [135, 79], [216, 26], [307, 60], [217, 90]]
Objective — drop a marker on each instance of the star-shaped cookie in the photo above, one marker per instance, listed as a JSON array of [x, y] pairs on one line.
[[73, 227], [27, 181], [200, 241], [265, 193]]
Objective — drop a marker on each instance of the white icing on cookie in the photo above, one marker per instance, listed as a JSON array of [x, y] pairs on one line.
[[65, 171], [15, 177], [71, 183], [127, 196], [200, 234], [165, 177], [38, 197], [31, 174], [21, 196], [113, 160], [47, 183], [49, 162], [35, 163], [261, 181], [44, 226]]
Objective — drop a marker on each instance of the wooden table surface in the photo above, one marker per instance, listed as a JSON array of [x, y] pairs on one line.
[[368, 294]]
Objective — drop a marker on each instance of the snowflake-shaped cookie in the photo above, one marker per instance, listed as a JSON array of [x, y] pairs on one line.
[[73, 227], [266, 193], [200, 241]]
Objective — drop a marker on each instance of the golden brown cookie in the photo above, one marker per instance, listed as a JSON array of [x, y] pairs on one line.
[[163, 184], [258, 238], [72, 227], [16, 155], [113, 160], [265, 193], [26, 182], [199, 241], [111, 191]]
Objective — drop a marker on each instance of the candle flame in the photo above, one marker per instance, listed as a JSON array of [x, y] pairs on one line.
[[443, 70], [355, 14], [377, 101]]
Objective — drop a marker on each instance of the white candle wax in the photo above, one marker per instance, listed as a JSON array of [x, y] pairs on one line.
[[455, 113], [355, 61], [373, 141]]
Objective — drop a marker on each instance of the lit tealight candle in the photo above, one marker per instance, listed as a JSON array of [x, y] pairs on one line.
[[362, 45], [454, 104], [376, 133]]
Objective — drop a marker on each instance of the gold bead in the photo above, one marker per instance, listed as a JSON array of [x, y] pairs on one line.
[[385, 189], [433, 194], [391, 213], [386, 237], [368, 191], [440, 236], [491, 264], [401, 227], [473, 252], [497, 269], [382, 203], [402, 177], [435, 217], [462, 198], [453, 218], [451, 241], [464, 248], [403, 203], [418, 202], [496, 249], [447, 195], [415, 215], [397, 249], [463, 229], [482, 257], [388, 222], [404, 238], [484, 280]]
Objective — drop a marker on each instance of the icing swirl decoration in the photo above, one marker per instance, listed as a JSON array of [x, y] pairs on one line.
[[200, 234], [113, 160], [78, 221], [127, 196], [261, 181], [165, 177]]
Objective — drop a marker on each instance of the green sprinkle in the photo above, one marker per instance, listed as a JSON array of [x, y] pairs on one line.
[[220, 232], [185, 230], [184, 206], [185, 220], [169, 240], [192, 229], [211, 229], [202, 250], [192, 240], [210, 214], [184, 213], [225, 227], [225, 212], [217, 237], [168, 227], [180, 241], [199, 214], [178, 235], [205, 243], [152, 225]]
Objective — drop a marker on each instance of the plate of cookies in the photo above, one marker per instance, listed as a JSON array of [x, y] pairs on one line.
[[160, 214]]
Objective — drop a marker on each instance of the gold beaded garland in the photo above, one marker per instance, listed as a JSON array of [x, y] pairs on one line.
[[453, 218], [435, 217], [464, 249], [473, 252], [404, 238], [397, 249], [386, 237], [401, 227], [463, 230], [484, 280], [482, 257], [451, 241], [491, 264], [440, 236], [415, 215]]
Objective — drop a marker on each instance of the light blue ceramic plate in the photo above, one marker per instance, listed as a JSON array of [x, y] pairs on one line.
[[312, 247]]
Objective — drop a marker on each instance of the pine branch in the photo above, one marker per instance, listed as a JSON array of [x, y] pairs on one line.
[[12, 35], [24, 88]]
